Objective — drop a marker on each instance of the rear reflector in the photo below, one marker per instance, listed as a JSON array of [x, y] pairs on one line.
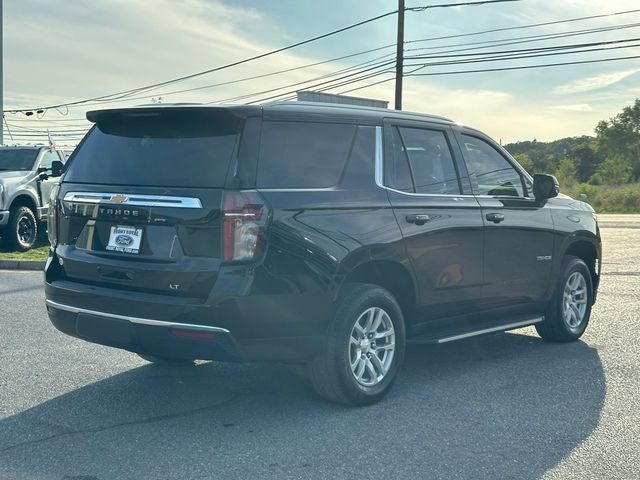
[[193, 334]]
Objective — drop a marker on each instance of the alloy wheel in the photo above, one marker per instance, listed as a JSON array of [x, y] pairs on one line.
[[574, 305], [371, 346]]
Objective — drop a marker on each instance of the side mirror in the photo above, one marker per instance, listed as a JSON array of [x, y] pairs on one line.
[[545, 186], [56, 168]]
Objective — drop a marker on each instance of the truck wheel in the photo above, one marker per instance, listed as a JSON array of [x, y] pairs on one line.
[[364, 347], [22, 231], [569, 311]]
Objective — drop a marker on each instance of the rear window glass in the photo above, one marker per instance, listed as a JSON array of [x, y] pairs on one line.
[[303, 155], [175, 149]]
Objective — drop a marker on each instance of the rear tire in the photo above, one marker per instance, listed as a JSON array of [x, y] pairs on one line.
[[569, 310], [22, 231], [364, 347], [166, 361]]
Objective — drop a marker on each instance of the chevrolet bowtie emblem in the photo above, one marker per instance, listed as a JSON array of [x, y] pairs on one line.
[[119, 198]]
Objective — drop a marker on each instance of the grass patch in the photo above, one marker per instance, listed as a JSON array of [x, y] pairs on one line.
[[608, 198], [39, 252]]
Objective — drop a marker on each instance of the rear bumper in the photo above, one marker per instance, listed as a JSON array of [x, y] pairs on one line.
[[144, 335]]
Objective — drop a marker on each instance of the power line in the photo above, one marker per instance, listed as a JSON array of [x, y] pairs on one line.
[[465, 4], [522, 27], [524, 67], [353, 74], [125, 93], [525, 39], [128, 94], [526, 50], [520, 57]]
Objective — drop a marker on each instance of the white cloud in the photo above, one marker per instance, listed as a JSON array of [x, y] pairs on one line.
[[594, 82], [579, 107]]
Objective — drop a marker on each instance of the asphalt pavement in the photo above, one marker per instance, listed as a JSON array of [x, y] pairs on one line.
[[496, 407]]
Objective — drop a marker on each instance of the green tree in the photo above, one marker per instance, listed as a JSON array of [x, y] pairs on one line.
[[566, 173], [619, 137], [615, 170], [586, 158], [526, 162]]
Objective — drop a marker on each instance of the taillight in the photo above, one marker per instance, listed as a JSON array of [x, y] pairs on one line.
[[245, 221], [52, 217]]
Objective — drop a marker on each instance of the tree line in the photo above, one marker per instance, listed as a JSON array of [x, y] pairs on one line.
[[612, 157]]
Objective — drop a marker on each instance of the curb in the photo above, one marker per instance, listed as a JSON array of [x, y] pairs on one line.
[[22, 265]]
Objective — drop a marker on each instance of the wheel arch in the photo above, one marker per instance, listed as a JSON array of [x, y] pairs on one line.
[[390, 275], [24, 199], [587, 251]]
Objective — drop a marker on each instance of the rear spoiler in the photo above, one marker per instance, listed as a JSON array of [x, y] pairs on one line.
[[239, 111]]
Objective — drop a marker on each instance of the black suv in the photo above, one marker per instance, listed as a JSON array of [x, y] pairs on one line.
[[307, 233]]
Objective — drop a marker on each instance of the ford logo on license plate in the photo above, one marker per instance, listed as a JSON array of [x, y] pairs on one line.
[[124, 240]]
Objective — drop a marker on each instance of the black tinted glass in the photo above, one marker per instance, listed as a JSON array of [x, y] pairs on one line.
[[17, 159], [491, 173], [397, 174], [303, 155], [431, 161], [174, 149]]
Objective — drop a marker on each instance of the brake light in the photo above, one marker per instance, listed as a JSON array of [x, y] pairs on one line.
[[52, 217], [244, 230]]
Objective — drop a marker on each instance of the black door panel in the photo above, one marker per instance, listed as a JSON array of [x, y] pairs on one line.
[[518, 234], [441, 227]]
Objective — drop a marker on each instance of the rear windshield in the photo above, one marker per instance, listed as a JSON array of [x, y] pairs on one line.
[[14, 159], [173, 149]]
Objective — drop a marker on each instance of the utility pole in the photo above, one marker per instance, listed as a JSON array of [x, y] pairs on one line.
[[399, 55], [1, 78]]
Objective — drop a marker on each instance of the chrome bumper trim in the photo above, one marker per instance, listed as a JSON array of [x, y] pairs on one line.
[[141, 321]]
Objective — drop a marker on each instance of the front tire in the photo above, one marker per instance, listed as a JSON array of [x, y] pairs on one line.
[[569, 311], [364, 347], [22, 231]]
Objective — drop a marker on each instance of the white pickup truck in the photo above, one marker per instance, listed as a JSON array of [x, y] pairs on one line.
[[27, 175]]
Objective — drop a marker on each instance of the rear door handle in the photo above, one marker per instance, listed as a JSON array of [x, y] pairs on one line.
[[418, 219], [494, 217]]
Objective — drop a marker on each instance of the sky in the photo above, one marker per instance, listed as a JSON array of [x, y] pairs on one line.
[[59, 51]]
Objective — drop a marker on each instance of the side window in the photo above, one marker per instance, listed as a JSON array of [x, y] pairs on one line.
[[397, 174], [48, 157], [303, 154], [490, 172], [424, 163]]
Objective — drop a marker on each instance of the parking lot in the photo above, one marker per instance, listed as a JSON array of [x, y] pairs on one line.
[[501, 406]]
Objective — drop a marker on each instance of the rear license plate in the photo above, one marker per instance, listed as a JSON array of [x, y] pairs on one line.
[[124, 239]]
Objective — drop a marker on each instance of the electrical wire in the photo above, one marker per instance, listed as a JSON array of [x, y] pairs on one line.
[[125, 93], [524, 67]]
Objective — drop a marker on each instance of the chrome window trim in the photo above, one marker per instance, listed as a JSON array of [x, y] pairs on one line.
[[379, 168], [133, 199], [138, 320]]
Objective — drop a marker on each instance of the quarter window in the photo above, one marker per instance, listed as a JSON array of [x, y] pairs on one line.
[[490, 172], [303, 154]]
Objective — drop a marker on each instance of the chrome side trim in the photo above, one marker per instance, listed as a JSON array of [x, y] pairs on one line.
[[139, 200], [501, 328], [141, 321], [378, 157]]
